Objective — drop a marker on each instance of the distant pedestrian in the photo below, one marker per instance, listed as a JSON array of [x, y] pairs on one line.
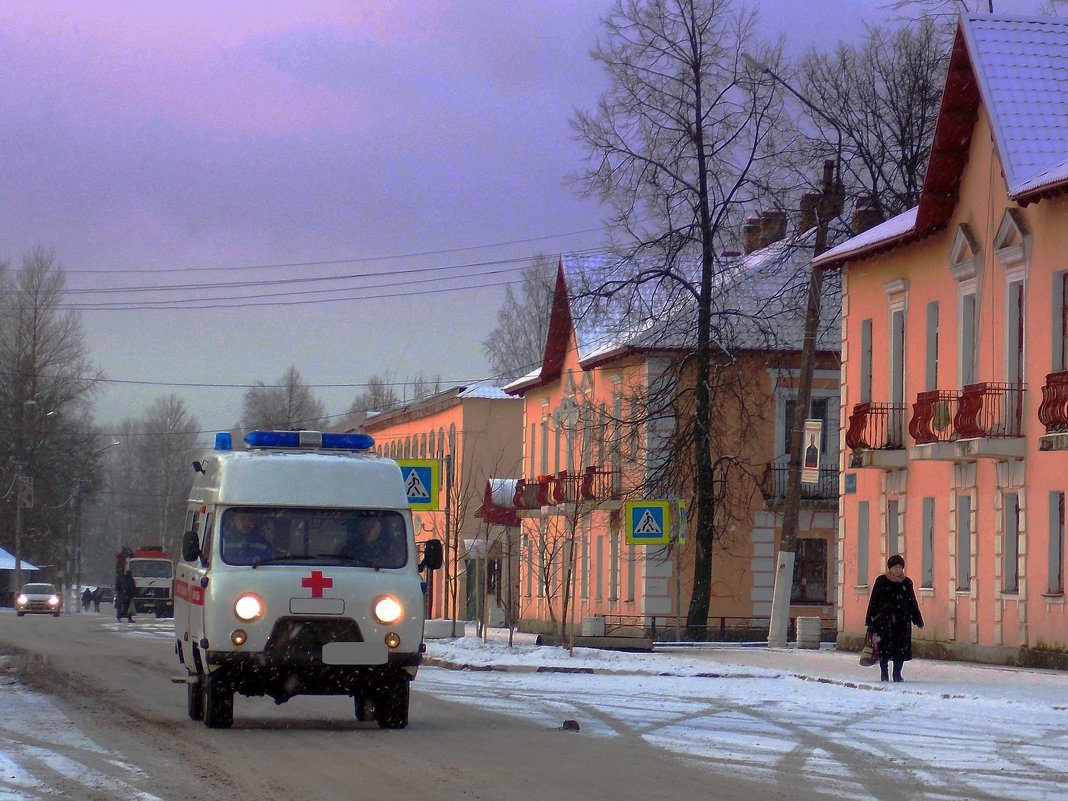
[[892, 611], [87, 598], [96, 598], [124, 596]]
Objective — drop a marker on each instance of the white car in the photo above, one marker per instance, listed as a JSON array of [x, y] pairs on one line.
[[38, 599]]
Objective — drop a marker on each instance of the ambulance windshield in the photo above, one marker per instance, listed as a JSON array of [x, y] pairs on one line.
[[272, 535]]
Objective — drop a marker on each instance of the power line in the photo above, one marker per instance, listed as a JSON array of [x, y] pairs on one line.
[[351, 260]]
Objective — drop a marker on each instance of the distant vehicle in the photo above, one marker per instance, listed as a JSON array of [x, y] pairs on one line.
[[38, 599], [153, 575], [106, 595]]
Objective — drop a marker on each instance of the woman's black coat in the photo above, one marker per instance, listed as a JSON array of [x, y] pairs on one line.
[[892, 609]]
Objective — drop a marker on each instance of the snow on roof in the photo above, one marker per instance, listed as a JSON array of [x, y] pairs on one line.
[[485, 391], [7, 562], [1021, 65], [884, 233]]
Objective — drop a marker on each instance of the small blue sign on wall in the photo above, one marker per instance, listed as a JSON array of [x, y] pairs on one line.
[[850, 483]]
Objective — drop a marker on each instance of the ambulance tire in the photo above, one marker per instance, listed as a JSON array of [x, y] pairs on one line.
[[391, 705], [218, 704], [195, 691], [365, 709]]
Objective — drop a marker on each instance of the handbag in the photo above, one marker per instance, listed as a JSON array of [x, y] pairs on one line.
[[869, 654]]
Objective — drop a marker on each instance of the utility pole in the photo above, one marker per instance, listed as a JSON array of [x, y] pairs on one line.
[[828, 207]]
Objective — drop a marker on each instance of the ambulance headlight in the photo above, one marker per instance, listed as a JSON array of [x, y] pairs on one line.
[[248, 607], [387, 609]]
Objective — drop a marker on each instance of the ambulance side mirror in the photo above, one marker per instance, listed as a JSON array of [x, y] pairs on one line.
[[190, 545], [432, 555]]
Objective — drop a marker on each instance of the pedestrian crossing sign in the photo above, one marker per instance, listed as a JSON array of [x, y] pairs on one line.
[[648, 522], [422, 478]]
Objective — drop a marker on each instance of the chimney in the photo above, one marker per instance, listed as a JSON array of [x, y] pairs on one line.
[[751, 234], [809, 204], [772, 227], [866, 214]]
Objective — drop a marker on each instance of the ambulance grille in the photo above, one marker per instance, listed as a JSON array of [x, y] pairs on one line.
[[300, 641]]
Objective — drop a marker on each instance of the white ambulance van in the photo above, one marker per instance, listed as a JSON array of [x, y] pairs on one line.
[[299, 575]]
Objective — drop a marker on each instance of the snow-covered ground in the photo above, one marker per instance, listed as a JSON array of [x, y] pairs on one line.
[[951, 731]]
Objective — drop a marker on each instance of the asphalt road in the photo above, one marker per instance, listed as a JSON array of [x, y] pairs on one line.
[[116, 687]]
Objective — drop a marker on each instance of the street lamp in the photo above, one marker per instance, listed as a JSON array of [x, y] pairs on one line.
[[828, 207]]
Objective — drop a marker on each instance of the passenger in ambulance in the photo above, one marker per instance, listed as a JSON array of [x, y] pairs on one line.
[[242, 541], [374, 545]]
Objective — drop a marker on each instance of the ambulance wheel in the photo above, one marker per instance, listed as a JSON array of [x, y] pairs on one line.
[[391, 705], [195, 694], [218, 704]]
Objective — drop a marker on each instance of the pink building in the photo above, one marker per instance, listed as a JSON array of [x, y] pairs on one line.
[[955, 363], [592, 438]]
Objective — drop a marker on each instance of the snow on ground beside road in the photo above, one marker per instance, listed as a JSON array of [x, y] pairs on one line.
[[952, 731]]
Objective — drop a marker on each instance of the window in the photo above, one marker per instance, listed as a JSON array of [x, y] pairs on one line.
[[865, 361], [927, 557], [967, 337], [599, 571], [931, 374], [532, 470], [613, 567], [1055, 583], [893, 528], [810, 572], [964, 543], [1014, 325], [1010, 571], [863, 513], [585, 568], [1060, 321]]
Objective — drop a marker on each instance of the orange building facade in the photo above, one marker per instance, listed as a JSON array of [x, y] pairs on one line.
[[589, 443], [473, 433], [955, 365]]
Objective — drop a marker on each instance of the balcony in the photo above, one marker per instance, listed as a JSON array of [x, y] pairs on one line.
[[776, 475], [876, 436], [989, 421], [532, 496], [593, 488], [931, 426], [1053, 412]]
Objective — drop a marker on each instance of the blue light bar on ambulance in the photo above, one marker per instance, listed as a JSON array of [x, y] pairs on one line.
[[311, 440]]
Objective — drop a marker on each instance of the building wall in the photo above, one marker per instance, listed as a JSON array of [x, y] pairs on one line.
[[632, 584], [980, 617], [481, 437]]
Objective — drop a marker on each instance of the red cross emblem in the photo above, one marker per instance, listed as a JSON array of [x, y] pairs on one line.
[[317, 582]]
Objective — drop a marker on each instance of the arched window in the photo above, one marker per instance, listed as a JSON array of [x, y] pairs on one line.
[[422, 447]]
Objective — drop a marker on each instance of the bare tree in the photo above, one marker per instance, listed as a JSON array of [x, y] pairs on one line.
[[165, 455], [377, 397], [289, 404], [676, 146], [46, 386], [876, 109], [516, 345]]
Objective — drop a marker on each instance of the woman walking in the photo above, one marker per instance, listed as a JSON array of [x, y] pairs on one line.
[[892, 610]]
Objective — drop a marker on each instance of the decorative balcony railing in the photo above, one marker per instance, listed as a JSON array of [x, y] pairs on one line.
[[990, 410], [532, 494], [876, 426], [776, 476], [932, 417], [565, 487], [1053, 411], [600, 484]]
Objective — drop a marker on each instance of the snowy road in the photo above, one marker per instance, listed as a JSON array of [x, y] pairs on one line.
[[800, 724]]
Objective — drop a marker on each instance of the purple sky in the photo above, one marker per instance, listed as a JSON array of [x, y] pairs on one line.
[[156, 143]]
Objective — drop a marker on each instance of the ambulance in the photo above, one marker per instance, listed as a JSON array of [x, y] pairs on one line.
[[299, 575]]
